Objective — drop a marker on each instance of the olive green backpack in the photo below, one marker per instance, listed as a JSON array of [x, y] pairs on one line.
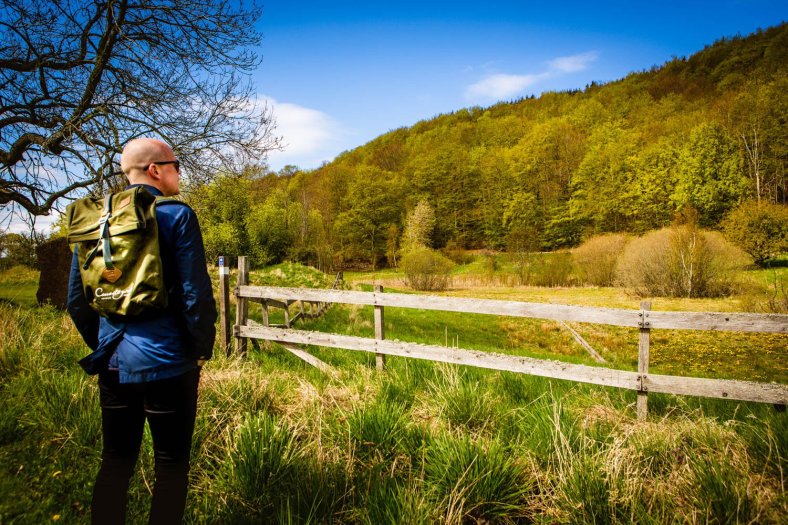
[[117, 243]]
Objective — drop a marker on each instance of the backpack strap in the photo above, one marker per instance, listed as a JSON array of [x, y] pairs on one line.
[[103, 239]]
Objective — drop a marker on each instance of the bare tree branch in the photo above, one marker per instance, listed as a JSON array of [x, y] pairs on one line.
[[79, 78]]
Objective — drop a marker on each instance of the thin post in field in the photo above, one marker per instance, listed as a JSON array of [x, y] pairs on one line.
[[242, 306], [224, 305], [644, 341], [380, 359]]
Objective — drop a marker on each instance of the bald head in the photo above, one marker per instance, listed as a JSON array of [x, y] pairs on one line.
[[141, 162]]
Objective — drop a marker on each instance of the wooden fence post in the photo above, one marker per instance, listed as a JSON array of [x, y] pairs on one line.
[[242, 306], [224, 305], [266, 322], [644, 342], [380, 359]]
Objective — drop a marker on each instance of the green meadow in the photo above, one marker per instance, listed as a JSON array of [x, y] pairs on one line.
[[278, 441]]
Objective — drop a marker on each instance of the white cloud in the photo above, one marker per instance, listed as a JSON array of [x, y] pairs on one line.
[[501, 86], [11, 222], [309, 136], [572, 63]]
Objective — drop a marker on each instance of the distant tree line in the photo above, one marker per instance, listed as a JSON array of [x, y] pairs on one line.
[[706, 133]]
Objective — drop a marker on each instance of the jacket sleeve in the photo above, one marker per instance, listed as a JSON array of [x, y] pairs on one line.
[[199, 307], [85, 318]]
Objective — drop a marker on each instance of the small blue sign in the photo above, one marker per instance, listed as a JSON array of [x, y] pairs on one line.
[[221, 261]]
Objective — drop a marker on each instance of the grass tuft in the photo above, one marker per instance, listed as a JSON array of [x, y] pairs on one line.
[[478, 480], [461, 400], [378, 432]]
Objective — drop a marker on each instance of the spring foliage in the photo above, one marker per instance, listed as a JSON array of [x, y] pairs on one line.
[[759, 228], [707, 132]]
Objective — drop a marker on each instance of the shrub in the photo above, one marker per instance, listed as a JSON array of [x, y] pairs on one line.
[[758, 228], [221, 240], [552, 269], [596, 259], [19, 275], [542, 269], [458, 255], [426, 269], [680, 261]]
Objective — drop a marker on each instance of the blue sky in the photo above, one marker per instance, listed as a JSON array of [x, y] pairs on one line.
[[339, 73]]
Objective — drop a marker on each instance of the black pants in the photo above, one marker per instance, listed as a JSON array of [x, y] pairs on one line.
[[170, 406]]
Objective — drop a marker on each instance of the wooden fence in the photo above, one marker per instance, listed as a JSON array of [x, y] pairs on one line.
[[645, 320]]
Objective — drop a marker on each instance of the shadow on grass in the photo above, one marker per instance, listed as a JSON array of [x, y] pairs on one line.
[[775, 263]]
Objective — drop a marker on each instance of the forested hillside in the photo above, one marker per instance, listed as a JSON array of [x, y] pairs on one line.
[[706, 132]]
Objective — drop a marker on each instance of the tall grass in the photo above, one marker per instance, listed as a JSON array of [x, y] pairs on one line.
[[18, 285], [278, 442], [460, 400], [476, 479]]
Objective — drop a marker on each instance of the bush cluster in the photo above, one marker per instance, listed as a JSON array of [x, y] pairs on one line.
[[681, 261], [426, 269], [759, 228], [597, 258], [554, 269]]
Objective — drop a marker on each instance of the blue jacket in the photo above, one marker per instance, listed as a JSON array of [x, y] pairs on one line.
[[170, 342]]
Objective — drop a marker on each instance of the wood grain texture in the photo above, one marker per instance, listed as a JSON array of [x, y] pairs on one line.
[[775, 323]]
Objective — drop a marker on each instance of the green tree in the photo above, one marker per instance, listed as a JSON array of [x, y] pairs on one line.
[[521, 209], [372, 204], [222, 240], [496, 185], [757, 118], [272, 227], [710, 175], [440, 166], [419, 225], [600, 186], [758, 228], [222, 208], [548, 157], [647, 198], [17, 249]]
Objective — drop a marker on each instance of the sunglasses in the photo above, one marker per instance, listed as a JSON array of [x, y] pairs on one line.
[[177, 164]]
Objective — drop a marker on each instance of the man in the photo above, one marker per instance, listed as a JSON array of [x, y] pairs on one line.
[[149, 367]]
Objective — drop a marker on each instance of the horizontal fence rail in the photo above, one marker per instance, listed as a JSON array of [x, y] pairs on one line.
[[644, 319], [739, 322], [722, 388]]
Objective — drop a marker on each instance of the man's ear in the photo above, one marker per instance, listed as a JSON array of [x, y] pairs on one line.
[[153, 172]]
